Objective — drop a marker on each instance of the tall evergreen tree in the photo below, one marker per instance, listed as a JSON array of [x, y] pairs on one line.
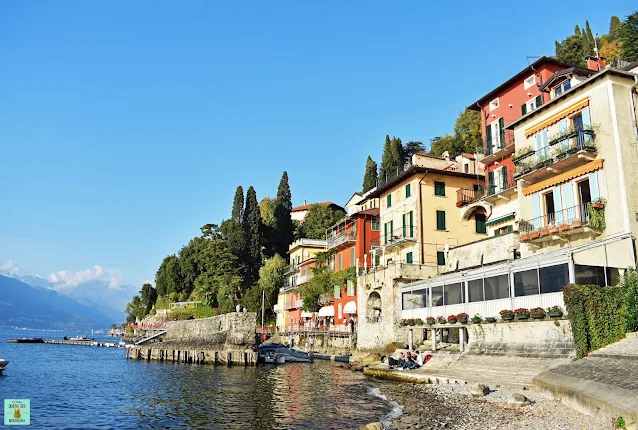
[[253, 225], [588, 43], [370, 176], [386, 158], [283, 228], [397, 153], [238, 204], [571, 50], [410, 148], [629, 38], [615, 25]]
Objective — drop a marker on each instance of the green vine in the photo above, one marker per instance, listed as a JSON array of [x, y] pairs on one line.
[[596, 217]]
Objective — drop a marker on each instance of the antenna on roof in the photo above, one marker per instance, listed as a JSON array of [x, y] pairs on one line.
[[531, 56]]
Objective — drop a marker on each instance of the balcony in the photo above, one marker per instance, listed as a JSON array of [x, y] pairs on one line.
[[565, 152], [294, 304], [400, 237], [342, 240], [498, 147], [502, 186], [466, 196], [560, 224]]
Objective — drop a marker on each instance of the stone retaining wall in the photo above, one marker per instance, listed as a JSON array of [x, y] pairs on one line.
[[542, 339], [320, 343], [195, 356], [230, 331]]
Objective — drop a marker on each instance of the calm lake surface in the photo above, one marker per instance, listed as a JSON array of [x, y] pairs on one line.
[[82, 387]]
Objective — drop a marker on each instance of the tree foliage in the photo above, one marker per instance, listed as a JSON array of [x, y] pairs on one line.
[[411, 148], [628, 37], [318, 219], [283, 227], [370, 177], [392, 157], [466, 137], [254, 240]]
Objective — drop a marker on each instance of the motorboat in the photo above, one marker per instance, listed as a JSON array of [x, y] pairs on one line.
[[80, 339], [26, 340], [277, 353], [3, 364]]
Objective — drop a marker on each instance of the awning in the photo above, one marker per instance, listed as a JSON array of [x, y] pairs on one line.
[[591, 257], [501, 219], [557, 116], [564, 177], [619, 254], [305, 314], [327, 311], [350, 308]]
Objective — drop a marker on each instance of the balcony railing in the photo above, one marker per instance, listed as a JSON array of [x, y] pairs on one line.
[[501, 182], [341, 239], [400, 236], [294, 304], [465, 196], [559, 149], [499, 142], [555, 222]]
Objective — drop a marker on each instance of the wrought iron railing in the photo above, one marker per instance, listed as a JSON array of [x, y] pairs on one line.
[[562, 220], [502, 140], [501, 182], [399, 235], [466, 196], [559, 149], [341, 238]]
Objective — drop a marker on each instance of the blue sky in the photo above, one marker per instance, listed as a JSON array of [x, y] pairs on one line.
[[125, 126]]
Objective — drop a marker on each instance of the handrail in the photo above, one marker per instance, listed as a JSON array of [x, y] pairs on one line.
[[501, 183], [399, 235], [466, 196], [341, 239], [501, 141], [575, 216], [560, 148]]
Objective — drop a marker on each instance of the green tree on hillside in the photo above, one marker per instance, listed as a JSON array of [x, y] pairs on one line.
[[628, 37], [168, 278], [148, 297], [467, 130], [318, 219], [266, 208], [283, 226], [135, 309], [253, 225], [411, 148], [370, 177], [234, 230], [615, 25], [571, 50], [238, 204], [271, 280], [392, 158]]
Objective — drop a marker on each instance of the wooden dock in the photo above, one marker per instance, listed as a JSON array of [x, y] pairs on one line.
[[196, 356], [83, 343]]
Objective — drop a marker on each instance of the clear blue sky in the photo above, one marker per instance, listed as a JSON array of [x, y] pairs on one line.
[[125, 126]]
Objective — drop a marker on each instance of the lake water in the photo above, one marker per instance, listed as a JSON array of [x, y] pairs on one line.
[[82, 387]]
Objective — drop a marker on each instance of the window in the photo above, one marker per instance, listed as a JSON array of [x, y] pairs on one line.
[[530, 82], [352, 262], [494, 104], [466, 167], [437, 296], [553, 278], [387, 232], [377, 259], [440, 258], [595, 275], [407, 191], [337, 291], [526, 283], [497, 287], [561, 88], [340, 260], [375, 224], [475, 290], [408, 258], [439, 188], [531, 104], [414, 299], [350, 288], [440, 220], [453, 294], [388, 201], [480, 223]]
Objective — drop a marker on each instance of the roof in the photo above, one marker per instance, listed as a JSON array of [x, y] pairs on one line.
[[572, 90], [569, 71], [468, 155], [517, 77], [414, 170], [630, 66], [306, 207], [371, 211]]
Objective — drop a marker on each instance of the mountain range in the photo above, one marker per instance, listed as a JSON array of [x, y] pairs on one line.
[[32, 302]]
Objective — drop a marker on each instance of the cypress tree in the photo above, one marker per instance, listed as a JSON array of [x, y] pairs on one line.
[[386, 158], [615, 25], [629, 38], [397, 153], [370, 176], [252, 223], [283, 228], [591, 44], [238, 204]]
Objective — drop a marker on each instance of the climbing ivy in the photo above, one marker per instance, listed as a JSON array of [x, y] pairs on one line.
[[629, 284], [598, 315]]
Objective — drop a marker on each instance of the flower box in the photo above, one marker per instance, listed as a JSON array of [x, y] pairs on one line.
[[564, 227], [538, 316], [507, 317], [462, 317], [522, 313], [522, 316], [490, 319], [524, 237], [576, 224], [553, 229], [555, 314], [431, 321], [452, 321], [534, 235], [477, 320], [597, 205], [544, 233]]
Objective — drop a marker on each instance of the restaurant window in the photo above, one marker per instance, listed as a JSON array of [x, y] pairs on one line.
[[554, 278], [475, 290], [453, 294], [526, 283], [415, 299], [595, 275], [497, 287], [437, 296], [439, 188]]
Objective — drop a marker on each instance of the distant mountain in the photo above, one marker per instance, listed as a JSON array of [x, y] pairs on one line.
[[23, 305]]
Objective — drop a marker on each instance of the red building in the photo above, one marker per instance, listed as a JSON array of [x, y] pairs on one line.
[[350, 240]]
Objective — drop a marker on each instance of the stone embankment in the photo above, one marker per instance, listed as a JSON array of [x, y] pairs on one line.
[[223, 339]]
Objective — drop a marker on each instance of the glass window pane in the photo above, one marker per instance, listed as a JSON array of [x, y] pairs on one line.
[[453, 294], [415, 300], [437, 296], [475, 290], [497, 287], [613, 276], [554, 278], [525, 283], [589, 275]]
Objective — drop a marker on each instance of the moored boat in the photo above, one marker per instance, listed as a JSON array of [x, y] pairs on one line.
[[26, 340], [277, 353], [80, 339], [3, 364]]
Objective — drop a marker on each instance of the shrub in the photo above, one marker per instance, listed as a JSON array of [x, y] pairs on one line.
[[506, 313], [521, 311], [462, 315], [538, 312], [599, 315], [629, 283]]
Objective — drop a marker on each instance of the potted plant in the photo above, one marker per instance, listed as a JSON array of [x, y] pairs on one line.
[[596, 217], [599, 203], [524, 237], [506, 314], [544, 232], [555, 311], [441, 320], [477, 319], [564, 227], [522, 152], [452, 319], [534, 234], [576, 223], [462, 317], [490, 319], [553, 229], [431, 320], [537, 313], [418, 321], [620, 424], [522, 313]]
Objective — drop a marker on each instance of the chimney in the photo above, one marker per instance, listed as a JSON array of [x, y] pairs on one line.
[[596, 63], [304, 202]]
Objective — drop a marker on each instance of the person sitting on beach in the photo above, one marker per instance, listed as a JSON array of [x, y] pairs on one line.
[[410, 363], [395, 362], [419, 359]]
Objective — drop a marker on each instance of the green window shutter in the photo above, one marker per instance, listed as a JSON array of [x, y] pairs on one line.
[[352, 262], [340, 261], [440, 220], [388, 200], [385, 233], [391, 228], [408, 258], [377, 259], [539, 101], [490, 181], [440, 258], [404, 225], [488, 139], [354, 228], [524, 108], [411, 226], [504, 184], [439, 188], [501, 130], [407, 191], [497, 232], [480, 223], [510, 228]]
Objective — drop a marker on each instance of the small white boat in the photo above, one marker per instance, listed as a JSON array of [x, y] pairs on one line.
[[80, 339], [3, 364], [274, 358]]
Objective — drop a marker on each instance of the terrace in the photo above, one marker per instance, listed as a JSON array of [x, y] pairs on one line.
[[584, 218], [498, 147]]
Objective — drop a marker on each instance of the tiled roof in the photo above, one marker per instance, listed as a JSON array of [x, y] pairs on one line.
[[306, 207]]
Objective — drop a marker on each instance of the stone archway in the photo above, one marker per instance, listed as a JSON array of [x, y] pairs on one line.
[[373, 307], [476, 207]]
